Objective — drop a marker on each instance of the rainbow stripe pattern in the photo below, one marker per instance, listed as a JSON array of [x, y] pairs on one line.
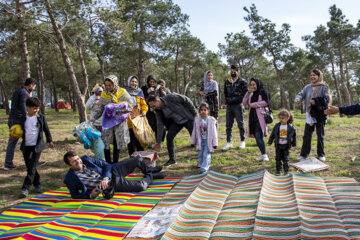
[[55, 215], [265, 206]]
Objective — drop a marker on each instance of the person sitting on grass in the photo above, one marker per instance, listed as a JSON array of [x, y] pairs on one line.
[[88, 177], [33, 144]]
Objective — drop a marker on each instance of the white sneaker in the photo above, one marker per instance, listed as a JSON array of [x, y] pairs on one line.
[[261, 158], [227, 146], [265, 157], [323, 158], [301, 158], [242, 145]]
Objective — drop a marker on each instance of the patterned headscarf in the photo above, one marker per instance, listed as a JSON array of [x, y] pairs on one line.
[[134, 91], [115, 81]]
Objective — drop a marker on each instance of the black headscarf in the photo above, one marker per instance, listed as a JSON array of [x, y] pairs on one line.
[[259, 91]]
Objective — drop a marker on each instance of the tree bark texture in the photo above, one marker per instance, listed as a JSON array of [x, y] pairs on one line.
[[25, 64], [41, 82], [102, 68], [4, 96], [68, 64]]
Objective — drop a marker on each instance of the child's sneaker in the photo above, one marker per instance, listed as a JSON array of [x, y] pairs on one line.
[[37, 189], [24, 192]]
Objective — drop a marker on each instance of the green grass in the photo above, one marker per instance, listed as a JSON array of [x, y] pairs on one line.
[[342, 142]]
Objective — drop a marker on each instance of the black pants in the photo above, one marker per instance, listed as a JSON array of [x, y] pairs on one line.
[[31, 159], [115, 153], [237, 112], [134, 144], [125, 167], [282, 157], [173, 130], [306, 146]]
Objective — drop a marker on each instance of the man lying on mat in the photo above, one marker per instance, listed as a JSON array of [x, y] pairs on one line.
[[88, 177]]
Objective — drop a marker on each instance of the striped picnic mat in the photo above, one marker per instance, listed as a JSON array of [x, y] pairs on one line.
[[54, 215], [265, 206]]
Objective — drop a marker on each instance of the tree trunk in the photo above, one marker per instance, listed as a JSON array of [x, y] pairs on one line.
[[336, 81], [141, 65], [102, 68], [187, 83], [5, 98], [54, 94], [25, 64], [342, 78], [83, 71], [67, 62], [282, 90], [348, 81], [41, 83], [176, 69]]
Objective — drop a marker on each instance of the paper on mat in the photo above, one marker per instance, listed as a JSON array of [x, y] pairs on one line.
[[155, 223], [311, 164]]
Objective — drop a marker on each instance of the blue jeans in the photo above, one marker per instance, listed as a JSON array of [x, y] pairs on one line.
[[10, 148], [204, 156], [260, 141]]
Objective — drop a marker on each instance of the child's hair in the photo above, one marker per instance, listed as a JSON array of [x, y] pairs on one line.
[[33, 102], [286, 113], [204, 104]]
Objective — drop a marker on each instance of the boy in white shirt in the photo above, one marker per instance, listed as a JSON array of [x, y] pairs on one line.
[[33, 144]]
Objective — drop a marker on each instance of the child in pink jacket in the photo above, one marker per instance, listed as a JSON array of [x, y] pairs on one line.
[[204, 136]]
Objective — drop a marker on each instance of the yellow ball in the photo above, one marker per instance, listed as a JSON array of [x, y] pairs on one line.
[[16, 131]]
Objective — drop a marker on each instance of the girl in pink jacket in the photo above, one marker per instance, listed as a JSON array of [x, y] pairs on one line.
[[204, 136]]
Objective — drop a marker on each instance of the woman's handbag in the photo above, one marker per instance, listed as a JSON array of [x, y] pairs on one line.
[[269, 118]]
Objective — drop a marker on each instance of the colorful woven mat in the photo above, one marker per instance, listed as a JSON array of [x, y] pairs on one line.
[[263, 206], [55, 215]]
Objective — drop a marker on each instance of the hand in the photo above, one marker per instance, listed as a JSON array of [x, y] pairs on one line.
[[312, 102], [92, 120], [157, 147], [202, 94], [104, 184], [51, 144], [97, 97], [331, 110], [143, 114], [150, 90], [297, 101]]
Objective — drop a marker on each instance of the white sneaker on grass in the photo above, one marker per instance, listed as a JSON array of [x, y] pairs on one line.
[[242, 145], [322, 158], [265, 157], [228, 146], [301, 158]]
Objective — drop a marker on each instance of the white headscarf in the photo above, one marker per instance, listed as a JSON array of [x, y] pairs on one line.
[[210, 86]]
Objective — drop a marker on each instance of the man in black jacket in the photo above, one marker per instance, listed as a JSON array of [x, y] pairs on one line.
[[17, 116], [174, 111], [235, 89]]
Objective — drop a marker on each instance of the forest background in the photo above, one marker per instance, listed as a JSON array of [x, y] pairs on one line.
[[68, 46]]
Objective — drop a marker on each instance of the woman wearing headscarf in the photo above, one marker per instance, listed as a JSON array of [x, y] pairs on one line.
[[314, 94], [115, 102], [257, 98], [148, 90], [140, 108], [210, 93]]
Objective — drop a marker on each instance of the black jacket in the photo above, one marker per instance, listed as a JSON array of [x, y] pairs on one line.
[[317, 110], [177, 103], [235, 92], [18, 106], [291, 135], [43, 127]]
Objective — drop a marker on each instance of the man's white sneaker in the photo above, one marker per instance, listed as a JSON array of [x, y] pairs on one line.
[[301, 158], [261, 158], [265, 158], [322, 158], [242, 145], [227, 146]]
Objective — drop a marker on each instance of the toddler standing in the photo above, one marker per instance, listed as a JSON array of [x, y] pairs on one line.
[[204, 136], [284, 135]]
